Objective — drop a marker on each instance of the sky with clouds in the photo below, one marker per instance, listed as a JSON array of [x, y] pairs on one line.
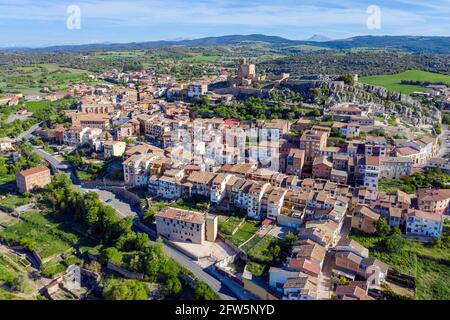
[[44, 22]]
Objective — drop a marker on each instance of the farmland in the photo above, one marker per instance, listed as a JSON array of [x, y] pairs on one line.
[[39, 232], [393, 82], [32, 79]]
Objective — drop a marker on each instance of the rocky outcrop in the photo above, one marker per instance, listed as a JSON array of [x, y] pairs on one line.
[[383, 102]]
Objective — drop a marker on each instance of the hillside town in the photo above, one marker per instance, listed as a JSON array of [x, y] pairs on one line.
[[273, 208]]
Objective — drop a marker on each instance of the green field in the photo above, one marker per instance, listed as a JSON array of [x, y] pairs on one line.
[[43, 234], [245, 232], [32, 79], [12, 200], [393, 82], [198, 57], [258, 253]]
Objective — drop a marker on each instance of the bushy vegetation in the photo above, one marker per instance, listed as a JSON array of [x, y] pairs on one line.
[[429, 263], [250, 109], [433, 178], [265, 251], [39, 232], [121, 289]]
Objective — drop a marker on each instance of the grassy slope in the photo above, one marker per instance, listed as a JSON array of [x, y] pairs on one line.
[[393, 82], [50, 236], [428, 263]]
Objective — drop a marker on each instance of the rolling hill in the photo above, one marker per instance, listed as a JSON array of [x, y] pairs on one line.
[[413, 44]]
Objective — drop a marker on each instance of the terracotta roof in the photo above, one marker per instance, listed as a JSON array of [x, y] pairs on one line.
[[433, 194], [201, 177], [425, 215], [406, 151], [35, 170], [303, 264], [182, 215], [353, 291], [366, 211], [372, 161]]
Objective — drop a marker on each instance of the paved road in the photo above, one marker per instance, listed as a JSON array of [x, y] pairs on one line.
[[27, 134], [123, 208], [445, 147]]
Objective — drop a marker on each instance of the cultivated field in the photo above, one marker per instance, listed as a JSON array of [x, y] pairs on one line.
[[393, 82]]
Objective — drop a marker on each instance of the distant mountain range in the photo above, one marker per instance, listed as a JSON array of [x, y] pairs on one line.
[[414, 44], [319, 38]]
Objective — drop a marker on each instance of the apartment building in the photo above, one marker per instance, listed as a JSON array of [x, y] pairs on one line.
[[38, 177], [91, 120], [79, 136], [136, 169], [364, 219], [312, 141], [424, 223], [275, 200], [200, 183], [254, 198], [434, 200], [443, 164], [186, 226], [370, 170], [339, 176], [395, 167], [218, 187], [321, 168], [127, 130], [196, 90], [419, 151], [156, 127], [113, 149], [349, 129], [295, 161], [375, 146]]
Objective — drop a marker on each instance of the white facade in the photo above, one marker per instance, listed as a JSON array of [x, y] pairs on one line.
[[424, 227]]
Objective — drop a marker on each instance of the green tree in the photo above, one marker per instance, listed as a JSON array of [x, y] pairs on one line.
[[437, 128], [173, 286], [204, 292], [348, 79], [382, 227], [115, 289], [112, 255], [394, 243], [290, 238], [19, 284], [274, 251], [150, 215]]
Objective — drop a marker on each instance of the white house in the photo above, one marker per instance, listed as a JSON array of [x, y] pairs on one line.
[[424, 223]]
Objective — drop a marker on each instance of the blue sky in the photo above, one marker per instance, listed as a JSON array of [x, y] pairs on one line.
[[43, 22]]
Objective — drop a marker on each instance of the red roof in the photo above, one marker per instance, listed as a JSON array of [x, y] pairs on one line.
[[231, 122], [267, 222], [35, 170]]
